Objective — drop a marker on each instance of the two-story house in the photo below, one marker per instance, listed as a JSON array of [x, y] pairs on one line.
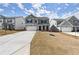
[[9, 23], [2, 18], [30, 22], [36, 23], [12, 23]]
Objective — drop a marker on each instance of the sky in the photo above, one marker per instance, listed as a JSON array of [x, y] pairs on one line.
[[51, 10]]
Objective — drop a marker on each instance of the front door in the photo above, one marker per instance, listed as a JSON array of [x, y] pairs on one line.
[[43, 27]]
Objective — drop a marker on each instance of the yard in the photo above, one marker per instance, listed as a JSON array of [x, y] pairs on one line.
[[54, 43], [3, 32]]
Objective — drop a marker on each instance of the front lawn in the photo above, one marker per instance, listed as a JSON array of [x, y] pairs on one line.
[[54, 43], [3, 32]]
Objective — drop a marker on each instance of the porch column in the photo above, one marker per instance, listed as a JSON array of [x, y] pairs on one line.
[[42, 28], [38, 28], [75, 30], [45, 28], [60, 29]]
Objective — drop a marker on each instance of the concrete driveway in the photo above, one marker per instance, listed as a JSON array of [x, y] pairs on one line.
[[16, 44]]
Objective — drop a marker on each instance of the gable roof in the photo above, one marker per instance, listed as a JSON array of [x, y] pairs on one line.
[[54, 28], [66, 24], [30, 16], [59, 21], [39, 18], [71, 20]]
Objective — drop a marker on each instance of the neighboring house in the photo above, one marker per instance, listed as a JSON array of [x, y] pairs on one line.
[[19, 23], [37, 23], [54, 24], [12, 23], [1, 21], [9, 23], [66, 25], [70, 24]]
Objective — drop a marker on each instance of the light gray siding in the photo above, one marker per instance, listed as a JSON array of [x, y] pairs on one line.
[[19, 23]]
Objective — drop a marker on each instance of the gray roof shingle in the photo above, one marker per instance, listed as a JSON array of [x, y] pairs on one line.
[[73, 20], [39, 18], [42, 18], [59, 21]]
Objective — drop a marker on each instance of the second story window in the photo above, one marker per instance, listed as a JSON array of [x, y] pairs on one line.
[[35, 21], [41, 21], [9, 20], [44, 21], [29, 20], [0, 20]]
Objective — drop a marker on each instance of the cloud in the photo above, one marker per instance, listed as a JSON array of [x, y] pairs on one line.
[[66, 4], [25, 11], [77, 8], [20, 5], [6, 4], [37, 5], [31, 11], [67, 15], [13, 8], [58, 8], [37, 9], [42, 11], [1, 10], [71, 13], [13, 12]]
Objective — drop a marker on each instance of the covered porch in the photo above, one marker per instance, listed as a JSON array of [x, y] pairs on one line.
[[43, 28]]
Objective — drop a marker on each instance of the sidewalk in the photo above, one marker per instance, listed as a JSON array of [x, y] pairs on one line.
[[73, 33]]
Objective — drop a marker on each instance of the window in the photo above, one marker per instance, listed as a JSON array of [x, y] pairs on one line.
[[9, 20], [45, 21], [41, 21], [35, 21], [29, 21], [0, 20]]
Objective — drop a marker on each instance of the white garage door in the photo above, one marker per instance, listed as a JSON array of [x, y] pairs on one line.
[[67, 29], [31, 28]]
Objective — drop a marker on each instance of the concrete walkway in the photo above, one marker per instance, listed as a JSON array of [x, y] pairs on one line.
[[73, 33], [16, 44]]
